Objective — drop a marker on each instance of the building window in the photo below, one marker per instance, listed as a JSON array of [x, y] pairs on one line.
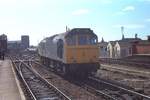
[[106, 49], [130, 50]]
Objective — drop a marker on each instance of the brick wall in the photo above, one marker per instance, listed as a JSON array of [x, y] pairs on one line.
[[143, 49]]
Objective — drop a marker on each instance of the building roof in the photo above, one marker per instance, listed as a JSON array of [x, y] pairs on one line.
[[112, 42], [124, 43], [130, 39], [103, 43]]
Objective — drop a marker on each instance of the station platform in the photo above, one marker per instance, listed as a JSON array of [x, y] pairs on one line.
[[9, 88]]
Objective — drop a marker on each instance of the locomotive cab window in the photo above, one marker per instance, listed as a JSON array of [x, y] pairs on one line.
[[92, 40], [82, 40], [71, 40], [86, 40]]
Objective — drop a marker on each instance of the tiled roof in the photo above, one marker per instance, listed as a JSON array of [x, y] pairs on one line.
[[103, 43], [130, 39], [124, 43]]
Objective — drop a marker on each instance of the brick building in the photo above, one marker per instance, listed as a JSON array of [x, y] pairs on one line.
[[142, 47]]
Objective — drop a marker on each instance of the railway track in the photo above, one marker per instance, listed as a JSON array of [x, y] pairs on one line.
[[107, 90], [115, 91], [75, 91], [38, 88], [110, 90]]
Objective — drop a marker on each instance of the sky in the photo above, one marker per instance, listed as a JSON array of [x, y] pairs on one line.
[[44, 18]]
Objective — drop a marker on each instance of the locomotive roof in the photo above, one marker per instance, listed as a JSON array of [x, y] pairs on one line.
[[81, 31], [70, 32], [76, 30]]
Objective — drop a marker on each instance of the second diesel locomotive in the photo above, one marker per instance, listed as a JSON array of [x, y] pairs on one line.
[[74, 52]]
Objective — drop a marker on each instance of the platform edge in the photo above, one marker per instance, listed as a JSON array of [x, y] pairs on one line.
[[18, 83]]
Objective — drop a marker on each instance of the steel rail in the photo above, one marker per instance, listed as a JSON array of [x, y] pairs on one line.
[[57, 90], [100, 93], [21, 62], [32, 94], [25, 83], [121, 88], [89, 88]]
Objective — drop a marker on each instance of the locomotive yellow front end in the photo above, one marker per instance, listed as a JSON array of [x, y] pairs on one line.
[[82, 54], [81, 51]]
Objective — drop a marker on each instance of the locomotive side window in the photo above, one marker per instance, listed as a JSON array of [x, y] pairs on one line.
[[60, 48]]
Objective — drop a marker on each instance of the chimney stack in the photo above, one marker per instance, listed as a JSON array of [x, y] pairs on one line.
[[122, 31], [66, 28], [136, 36], [148, 38]]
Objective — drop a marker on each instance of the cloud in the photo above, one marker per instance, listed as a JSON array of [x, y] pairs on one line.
[[128, 8], [130, 26], [125, 10], [80, 12]]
